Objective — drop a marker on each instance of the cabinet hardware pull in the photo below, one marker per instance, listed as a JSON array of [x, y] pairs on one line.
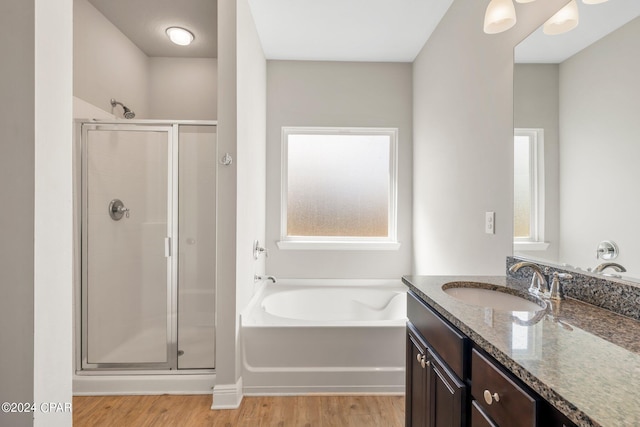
[[490, 398], [422, 359]]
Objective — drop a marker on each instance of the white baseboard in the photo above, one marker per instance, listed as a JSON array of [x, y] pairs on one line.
[[332, 390], [227, 396], [101, 385]]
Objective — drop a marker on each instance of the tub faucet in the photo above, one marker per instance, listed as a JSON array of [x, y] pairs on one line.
[[257, 278], [538, 281], [617, 267]]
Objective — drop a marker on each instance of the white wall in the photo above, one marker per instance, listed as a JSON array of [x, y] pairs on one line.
[[535, 105], [251, 127], [356, 94], [35, 165], [225, 392], [183, 88], [53, 219], [106, 64], [241, 195], [463, 140], [599, 149], [17, 185]]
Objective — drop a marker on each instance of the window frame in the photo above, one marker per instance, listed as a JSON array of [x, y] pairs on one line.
[[390, 242], [535, 242]]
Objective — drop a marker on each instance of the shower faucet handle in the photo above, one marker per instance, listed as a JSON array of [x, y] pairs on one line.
[[117, 210], [124, 210]]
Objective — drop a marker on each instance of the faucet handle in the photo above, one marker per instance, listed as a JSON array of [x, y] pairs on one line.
[[557, 292], [257, 250]]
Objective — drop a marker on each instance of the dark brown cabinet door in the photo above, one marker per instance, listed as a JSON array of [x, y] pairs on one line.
[[435, 397], [447, 395], [416, 383]]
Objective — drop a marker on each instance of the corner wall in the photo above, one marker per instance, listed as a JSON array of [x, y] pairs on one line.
[[463, 140]]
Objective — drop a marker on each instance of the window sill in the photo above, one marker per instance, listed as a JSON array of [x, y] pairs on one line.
[[530, 246], [338, 246]]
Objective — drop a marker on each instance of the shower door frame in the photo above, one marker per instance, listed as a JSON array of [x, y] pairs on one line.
[[171, 365]]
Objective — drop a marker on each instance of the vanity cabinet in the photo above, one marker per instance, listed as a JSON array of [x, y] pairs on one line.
[[450, 383]]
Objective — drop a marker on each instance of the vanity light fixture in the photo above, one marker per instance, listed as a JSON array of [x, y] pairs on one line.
[[501, 15], [180, 36], [566, 19]]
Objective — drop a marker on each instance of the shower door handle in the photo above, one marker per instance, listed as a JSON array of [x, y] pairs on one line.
[[167, 247]]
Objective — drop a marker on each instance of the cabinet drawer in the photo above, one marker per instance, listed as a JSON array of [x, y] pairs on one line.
[[478, 418], [443, 338], [515, 407]]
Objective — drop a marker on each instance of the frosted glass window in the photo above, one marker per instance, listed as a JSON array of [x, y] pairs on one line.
[[339, 184]]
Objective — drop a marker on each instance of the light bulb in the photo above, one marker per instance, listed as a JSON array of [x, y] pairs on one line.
[[499, 16], [564, 20], [180, 36]]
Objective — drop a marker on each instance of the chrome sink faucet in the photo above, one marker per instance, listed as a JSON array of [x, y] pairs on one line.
[[614, 265], [538, 281]]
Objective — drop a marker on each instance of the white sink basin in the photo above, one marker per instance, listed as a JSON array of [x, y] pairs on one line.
[[492, 298]]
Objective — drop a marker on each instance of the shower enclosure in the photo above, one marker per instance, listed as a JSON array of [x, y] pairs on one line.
[[148, 239]]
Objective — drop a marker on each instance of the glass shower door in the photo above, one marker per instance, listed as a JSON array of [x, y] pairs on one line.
[[197, 247], [127, 270]]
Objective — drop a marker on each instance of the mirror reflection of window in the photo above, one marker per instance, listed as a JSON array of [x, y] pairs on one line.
[[522, 185], [528, 186], [526, 340]]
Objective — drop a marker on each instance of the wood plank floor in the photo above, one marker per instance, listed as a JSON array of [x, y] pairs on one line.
[[281, 411]]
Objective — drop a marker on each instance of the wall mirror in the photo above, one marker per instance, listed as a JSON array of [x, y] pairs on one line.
[[577, 103]]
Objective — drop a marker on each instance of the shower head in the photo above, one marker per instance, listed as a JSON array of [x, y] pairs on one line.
[[128, 114]]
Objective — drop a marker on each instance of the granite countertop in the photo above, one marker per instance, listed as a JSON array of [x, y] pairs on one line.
[[583, 359]]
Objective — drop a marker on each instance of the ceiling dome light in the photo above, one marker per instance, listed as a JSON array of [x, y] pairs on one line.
[[499, 17], [593, 1], [529, 1], [180, 36], [564, 20]]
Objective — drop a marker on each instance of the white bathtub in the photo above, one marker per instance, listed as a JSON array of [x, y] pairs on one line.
[[325, 336]]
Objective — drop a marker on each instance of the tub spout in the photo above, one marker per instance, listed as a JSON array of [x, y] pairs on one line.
[[257, 278]]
